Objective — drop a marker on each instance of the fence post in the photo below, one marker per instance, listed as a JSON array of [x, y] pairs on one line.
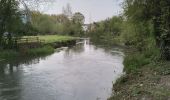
[[26, 40], [37, 40]]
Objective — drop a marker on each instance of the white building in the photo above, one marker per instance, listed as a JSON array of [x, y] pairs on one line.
[[25, 13], [25, 16]]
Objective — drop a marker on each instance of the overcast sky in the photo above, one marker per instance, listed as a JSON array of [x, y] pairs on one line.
[[95, 10]]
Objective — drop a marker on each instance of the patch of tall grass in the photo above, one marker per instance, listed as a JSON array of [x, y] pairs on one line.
[[8, 54], [40, 51], [53, 38], [12, 54], [134, 61]]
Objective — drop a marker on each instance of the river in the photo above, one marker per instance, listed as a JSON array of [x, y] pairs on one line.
[[81, 72]]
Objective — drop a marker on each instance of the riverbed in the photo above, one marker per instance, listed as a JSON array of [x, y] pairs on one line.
[[82, 72]]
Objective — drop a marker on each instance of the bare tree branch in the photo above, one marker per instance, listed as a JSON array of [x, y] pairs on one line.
[[35, 4]]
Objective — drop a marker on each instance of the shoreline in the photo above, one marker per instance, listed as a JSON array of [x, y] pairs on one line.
[[45, 49], [148, 81]]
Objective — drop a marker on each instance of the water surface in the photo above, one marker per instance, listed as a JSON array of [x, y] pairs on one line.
[[82, 72]]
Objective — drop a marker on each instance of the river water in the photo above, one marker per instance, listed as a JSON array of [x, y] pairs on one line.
[[82, 72]]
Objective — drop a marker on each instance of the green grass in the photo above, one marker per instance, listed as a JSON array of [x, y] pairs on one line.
[[46, 49], [146, 76], [12, 54], [151, 83], [40, 51], [54, 38], [135, 59], [133, 62], [8, 54]]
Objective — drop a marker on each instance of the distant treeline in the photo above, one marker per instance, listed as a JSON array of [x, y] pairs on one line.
[[106, 31], [16, 22], [58, 24]]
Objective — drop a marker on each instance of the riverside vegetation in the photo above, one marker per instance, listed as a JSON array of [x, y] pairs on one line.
[[144, 30], [45, 49], [55, 30]]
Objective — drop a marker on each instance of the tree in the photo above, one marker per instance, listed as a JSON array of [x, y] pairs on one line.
[[78, 18], [106, 31], [67, 11], [151, 13], [165, 29], [61, 18], [10, 20]]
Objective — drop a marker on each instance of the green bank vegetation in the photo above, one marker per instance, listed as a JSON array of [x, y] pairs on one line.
[[58, 24], [44, 49], [144, 28], [16, 23], [6, 55], [53, 38], [107, 31]]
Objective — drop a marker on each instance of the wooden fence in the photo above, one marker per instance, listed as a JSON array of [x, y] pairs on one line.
[[27, 40], [23, 42]]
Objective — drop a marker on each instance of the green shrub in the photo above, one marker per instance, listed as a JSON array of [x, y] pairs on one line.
[[8, 54], [135, 61], [150, 50], [12, 54], [40, 51]]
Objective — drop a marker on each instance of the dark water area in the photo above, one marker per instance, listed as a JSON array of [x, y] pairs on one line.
[[82, 72]]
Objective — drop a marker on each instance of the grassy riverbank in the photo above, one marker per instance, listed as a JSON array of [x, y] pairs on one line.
[[146, 78], [31, 52], [53, 38], [12, 54], [147, 74]]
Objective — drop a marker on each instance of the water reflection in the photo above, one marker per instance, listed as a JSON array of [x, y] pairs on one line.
[[10, 77], [76, 50], [82, 72], [9, 82]]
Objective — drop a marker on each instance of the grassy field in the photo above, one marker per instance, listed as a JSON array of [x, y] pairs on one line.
[[13, 54], [42, 50], [53, 38]]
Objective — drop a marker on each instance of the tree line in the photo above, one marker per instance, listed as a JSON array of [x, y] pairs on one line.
[[105, 31], [58, 24], [144, 24], [17, 22]]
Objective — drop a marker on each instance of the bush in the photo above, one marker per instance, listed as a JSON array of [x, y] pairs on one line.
[[8, 54], [12, 54], [135, 61], [40, 51]]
